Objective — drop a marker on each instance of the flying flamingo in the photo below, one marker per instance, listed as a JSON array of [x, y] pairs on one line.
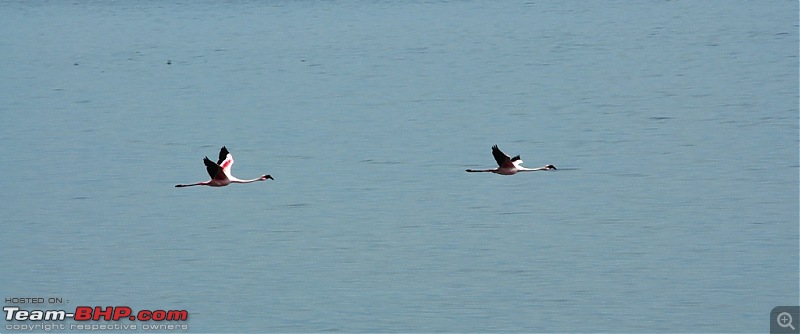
[[221, 172], [508, 165]]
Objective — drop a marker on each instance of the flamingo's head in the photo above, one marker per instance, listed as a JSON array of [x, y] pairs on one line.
[[266, 177], [549, 167]]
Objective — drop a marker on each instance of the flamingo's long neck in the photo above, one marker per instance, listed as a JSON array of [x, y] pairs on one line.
[[523, 169], [262, 178], [235, 180]]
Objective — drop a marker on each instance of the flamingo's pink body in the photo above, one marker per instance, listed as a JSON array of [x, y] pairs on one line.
[[220, 172]]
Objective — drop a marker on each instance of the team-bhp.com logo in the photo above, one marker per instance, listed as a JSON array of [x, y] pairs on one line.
[[97, 313]]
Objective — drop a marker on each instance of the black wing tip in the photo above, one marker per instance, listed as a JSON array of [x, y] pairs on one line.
[[516, 158], [497, 150], [211, 167], [499, 156], [223, 154]]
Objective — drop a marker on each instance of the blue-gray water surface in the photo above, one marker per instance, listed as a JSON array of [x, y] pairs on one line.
[[674, 125]]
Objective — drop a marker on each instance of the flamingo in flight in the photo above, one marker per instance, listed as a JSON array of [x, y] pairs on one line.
[[220, 172], [508, 165]]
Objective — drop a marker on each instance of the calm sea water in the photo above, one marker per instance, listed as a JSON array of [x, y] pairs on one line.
[[674, 125]]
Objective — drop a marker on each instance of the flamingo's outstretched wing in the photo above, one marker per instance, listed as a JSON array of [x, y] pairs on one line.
[[503, 160], [225, 160], [214, 170]]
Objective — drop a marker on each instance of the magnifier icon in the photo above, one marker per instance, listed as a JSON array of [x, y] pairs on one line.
[[785, 320]]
